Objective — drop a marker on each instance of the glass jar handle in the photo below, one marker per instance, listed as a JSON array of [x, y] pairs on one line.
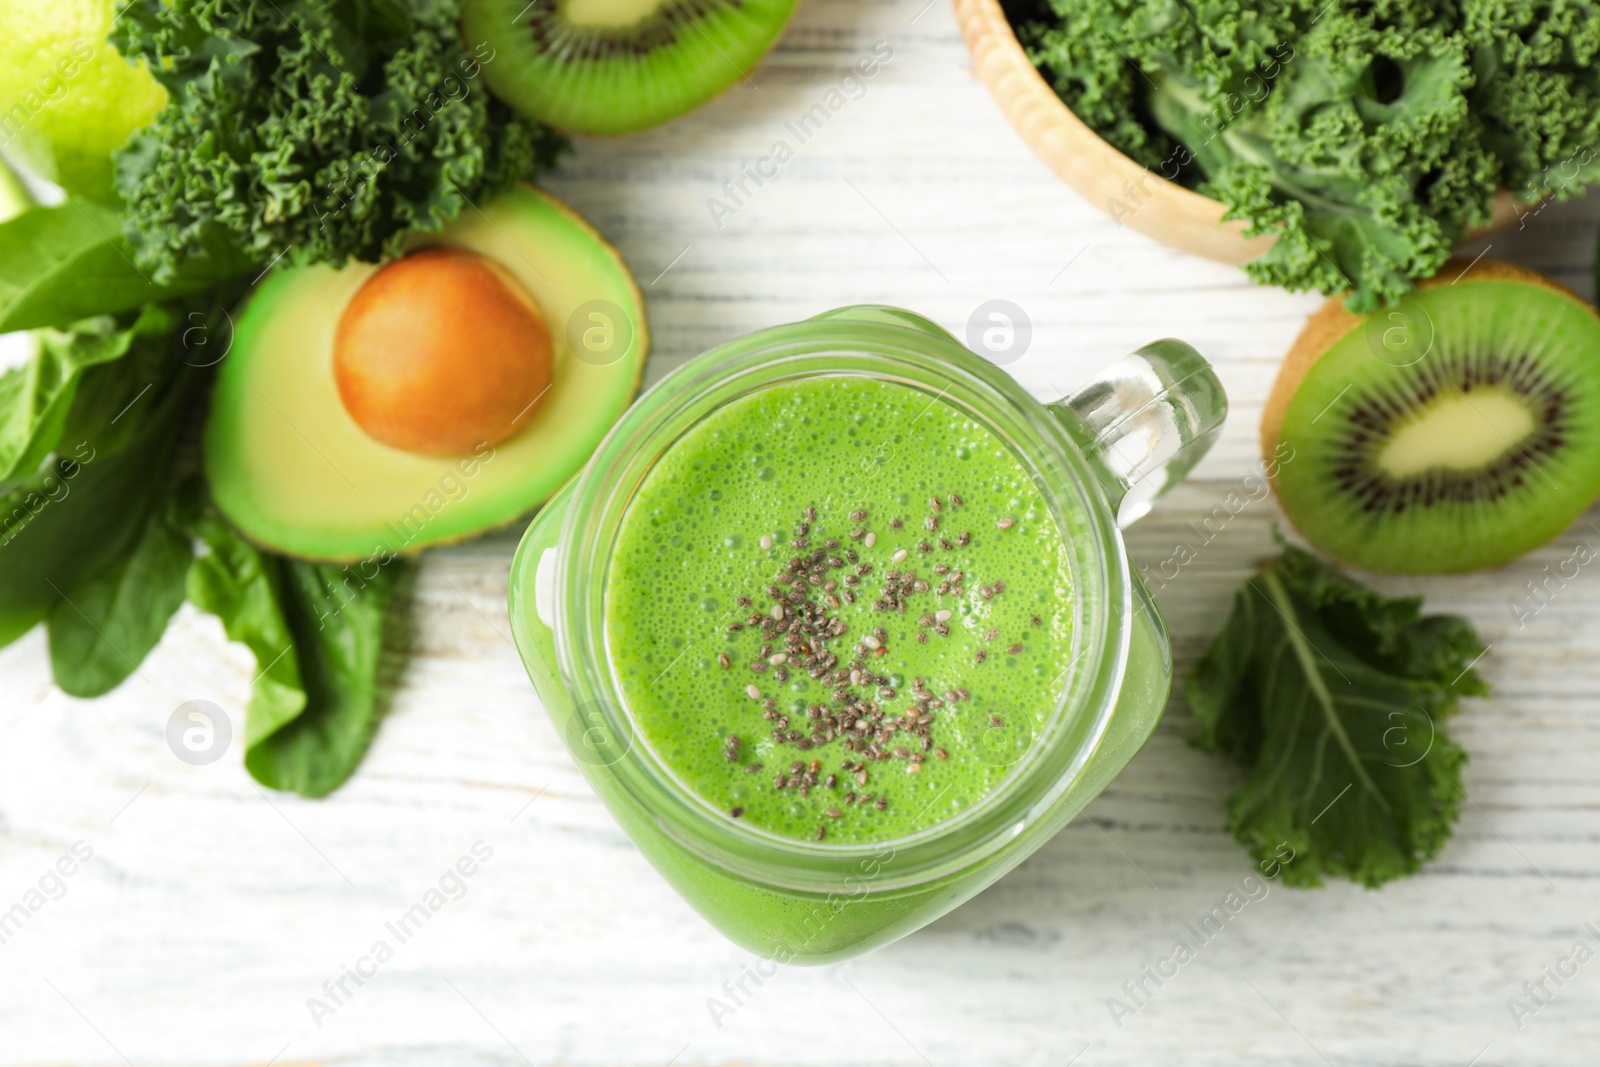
[[1144, 423]]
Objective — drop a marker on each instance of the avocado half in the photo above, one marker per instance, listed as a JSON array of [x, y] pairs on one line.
[[293, 471]]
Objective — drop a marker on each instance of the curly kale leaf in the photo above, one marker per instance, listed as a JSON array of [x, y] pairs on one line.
[[1333, 697], [314, 132], [1369, 137]]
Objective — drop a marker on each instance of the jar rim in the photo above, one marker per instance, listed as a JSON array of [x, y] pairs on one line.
[[1100, 581]]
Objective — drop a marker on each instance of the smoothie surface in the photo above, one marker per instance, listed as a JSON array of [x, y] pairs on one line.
[[924, 597]]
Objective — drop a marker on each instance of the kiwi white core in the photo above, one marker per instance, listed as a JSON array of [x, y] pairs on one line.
[[1459, 432], [608, 13]]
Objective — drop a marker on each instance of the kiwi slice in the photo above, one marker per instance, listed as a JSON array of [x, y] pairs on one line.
[[1452, 431], [614, 66]]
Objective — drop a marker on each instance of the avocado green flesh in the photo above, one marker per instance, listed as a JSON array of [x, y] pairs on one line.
[[294, 472]]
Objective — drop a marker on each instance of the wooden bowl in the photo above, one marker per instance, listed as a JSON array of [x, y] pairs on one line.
[[1135, 196]]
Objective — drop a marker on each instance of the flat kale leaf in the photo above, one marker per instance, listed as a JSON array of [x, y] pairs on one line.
[[1334, 699]]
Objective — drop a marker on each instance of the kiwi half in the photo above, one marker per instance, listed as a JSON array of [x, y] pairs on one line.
[[1453, 431], [614, 66]]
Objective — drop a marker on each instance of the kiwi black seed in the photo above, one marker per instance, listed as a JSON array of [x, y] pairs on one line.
[[614, 66], [1453, 431]]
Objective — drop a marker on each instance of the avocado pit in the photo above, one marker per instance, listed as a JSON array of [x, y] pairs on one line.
[[441, 352]]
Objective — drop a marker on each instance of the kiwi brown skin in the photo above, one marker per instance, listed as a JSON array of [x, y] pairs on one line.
[[1331, 323]]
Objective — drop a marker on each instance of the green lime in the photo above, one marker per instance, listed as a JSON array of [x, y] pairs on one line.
[[67, 97]]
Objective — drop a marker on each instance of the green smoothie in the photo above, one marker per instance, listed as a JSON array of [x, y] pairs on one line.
[[839, 610]]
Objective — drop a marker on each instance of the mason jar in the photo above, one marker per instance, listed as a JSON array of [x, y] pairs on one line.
[[1099, 459]]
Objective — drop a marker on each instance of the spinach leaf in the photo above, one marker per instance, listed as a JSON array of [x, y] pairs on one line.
[[103, 630], [69, 262], [237, 582], [86, 507], [1333, 697], [338, 622], [317, 632], [35, 398]]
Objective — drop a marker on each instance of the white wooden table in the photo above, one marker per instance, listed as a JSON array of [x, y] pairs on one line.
[[211, 911]]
